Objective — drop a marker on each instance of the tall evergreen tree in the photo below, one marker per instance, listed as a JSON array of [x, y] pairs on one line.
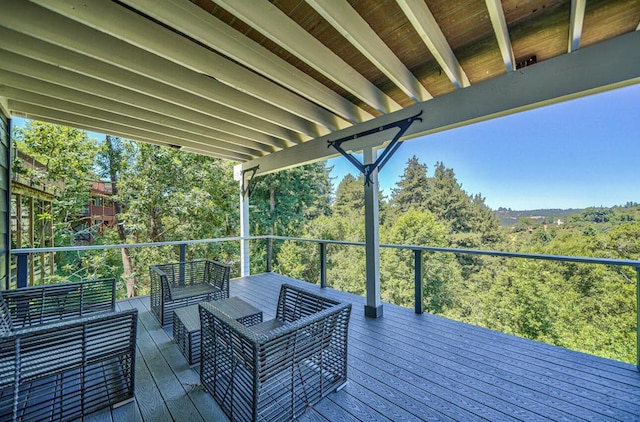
[[349, 196], [412, 189], [447, 200]]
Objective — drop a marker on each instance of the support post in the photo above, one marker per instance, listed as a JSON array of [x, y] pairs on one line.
[[32, 236], [269, 255], [22, 270], [373, 308], [323, 264], [43, 257], [183, 259], [245, 269], [418, 280]]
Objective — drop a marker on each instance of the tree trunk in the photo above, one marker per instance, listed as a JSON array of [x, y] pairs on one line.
[[122, 235]]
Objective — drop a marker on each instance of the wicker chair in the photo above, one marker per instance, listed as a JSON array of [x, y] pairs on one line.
[[64, 351], [276, 369], [186, 283]]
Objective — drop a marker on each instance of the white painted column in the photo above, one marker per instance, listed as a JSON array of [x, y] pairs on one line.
[[373, 308], [245, 269]]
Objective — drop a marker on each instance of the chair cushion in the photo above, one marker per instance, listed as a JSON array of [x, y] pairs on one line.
[[181, 292], [266, 326]]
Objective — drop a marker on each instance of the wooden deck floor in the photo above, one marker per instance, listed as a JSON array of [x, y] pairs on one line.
[[402, 366]]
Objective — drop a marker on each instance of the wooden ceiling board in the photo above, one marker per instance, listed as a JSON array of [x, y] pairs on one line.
[[546, 35], [462, 23], [607, 19], [516, 11], [433, 78], [481, 60]]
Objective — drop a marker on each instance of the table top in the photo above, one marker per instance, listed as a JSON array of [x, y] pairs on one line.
[[233, 307]]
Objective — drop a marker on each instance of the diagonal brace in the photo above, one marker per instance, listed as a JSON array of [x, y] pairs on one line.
[[368, 169], [247, 183]]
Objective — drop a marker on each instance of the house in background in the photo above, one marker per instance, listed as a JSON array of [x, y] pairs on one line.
[[97, 215], [32, 195]]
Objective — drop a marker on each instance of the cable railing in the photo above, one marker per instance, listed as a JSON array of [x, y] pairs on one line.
[[418, 251]]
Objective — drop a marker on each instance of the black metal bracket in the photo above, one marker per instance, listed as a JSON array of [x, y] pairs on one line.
[[368, 169], [247, 185]]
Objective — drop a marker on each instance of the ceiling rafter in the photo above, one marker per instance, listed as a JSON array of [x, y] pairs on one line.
[[120, 134], [198, 141], [501, 30], [426, 26], [575, 25], [44, 63], [205, 141], [279, 28], [71, 119], [137, 30], [49, 26], [46, 73], [202, 26], [26, 83], [357, 31]]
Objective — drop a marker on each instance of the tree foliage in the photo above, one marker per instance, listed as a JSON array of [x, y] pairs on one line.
[[68, 155]]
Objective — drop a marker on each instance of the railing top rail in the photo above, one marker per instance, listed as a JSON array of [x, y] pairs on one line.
[[27, 251], [577, 259]]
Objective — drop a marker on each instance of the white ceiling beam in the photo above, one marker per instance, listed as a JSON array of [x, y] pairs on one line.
[[501, 30], [357, 31], [44, 61], [612, 64], [116, 133], [193, 21], [575, 24], [270, 21], [38, 112], [26, 83], [426, 26], [180, 137], [53, 28], [4, 107]]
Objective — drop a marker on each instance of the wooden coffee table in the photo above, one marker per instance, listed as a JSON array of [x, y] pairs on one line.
[[186, 323]]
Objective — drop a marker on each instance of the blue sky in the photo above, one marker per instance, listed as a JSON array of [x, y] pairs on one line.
[[575, 154]]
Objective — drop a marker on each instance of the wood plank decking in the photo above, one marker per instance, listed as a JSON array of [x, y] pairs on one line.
[[402, 366]]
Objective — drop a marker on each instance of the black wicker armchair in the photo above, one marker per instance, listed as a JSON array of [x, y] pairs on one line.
[[186, 283], [276, 369], [64, 351]]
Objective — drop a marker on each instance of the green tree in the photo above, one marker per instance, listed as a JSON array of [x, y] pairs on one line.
[[349, 196], [412, 189], [441, 275], [171, 195], [112, 159], [68, 155], [281, 203]]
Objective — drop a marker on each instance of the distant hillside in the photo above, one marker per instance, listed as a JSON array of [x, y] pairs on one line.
[[510, 217]]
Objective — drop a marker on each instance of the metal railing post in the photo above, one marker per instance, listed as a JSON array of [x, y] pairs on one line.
[[23, 271], [418, 280], [323, 264], [183, 259], [269, 255]]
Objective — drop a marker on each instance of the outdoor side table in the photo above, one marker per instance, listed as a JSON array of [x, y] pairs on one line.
[[186, 323]]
